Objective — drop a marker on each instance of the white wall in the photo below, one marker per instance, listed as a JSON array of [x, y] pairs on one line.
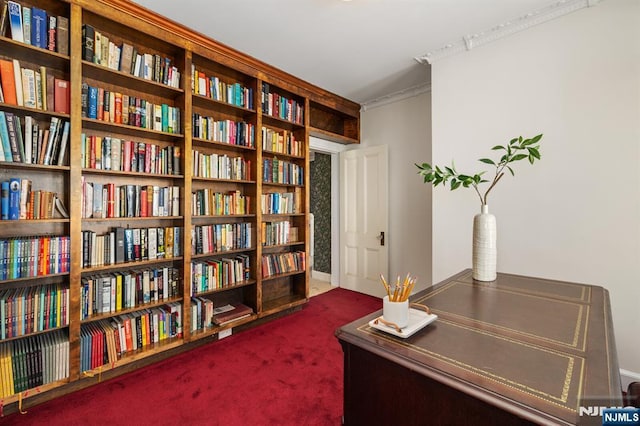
[[575, 215], [405, 126]]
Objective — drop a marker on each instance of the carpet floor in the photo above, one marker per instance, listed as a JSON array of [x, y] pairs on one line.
[[286, 372]]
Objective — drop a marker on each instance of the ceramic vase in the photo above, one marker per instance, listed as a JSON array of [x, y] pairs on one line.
[[484, 255]]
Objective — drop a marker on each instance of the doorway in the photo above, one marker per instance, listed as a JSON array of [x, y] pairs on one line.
[[325, 214]]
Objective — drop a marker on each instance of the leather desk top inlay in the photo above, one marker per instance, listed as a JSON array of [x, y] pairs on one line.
[[541, 343]]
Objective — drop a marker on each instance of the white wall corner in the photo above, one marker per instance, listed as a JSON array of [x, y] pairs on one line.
[[505, 29]]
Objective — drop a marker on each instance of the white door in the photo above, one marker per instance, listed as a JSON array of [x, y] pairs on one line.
[[364, 184]]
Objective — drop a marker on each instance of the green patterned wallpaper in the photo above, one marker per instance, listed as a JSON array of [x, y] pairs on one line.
[[320, 201]]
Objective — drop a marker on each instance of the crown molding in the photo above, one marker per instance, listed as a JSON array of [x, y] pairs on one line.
[[469, 41], [396, 96]]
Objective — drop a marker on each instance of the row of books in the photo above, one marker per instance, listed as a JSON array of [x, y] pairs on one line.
[[30, 310], [33, 88], [27, 257], [207, 202], [277, 233], [110, 293], [226, 131], [118, 108], [281, 141], [109, 153], [219, 273], [98, 47], [122, 245], [35, 26], [282, 202], [106, 200], [20, 202], [47, 145], [104, 342], [214, 88], [278, 171], [220, 237], [282, 263], [278, 106], [32, 362], [220, 166]]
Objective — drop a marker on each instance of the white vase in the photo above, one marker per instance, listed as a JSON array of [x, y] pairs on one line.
[[484, 255]]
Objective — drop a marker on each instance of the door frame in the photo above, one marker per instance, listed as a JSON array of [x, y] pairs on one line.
[[324, 146]]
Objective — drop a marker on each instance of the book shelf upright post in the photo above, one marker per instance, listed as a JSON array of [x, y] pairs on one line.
[[75, 45], [185, 199]]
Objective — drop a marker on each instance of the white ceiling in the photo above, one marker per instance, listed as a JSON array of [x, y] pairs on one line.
[[361, 49]]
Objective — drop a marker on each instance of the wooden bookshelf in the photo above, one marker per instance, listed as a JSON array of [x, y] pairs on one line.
[[222, 106]]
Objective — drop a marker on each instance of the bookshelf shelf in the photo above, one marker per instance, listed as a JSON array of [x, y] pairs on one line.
[[35, 333], [130, 264], [204, 102], [130, 219], [142, 306], [29, 53], [265, 183], [203, 179], [221, 145], [281, 123], [36, 278], [215, 127], [8, 223], [282, 303], [222, 216], [134, 174], [277, 276], [34, 112], [14, 165], [105, 126], [102, 73], [227, 288], [220, 253]]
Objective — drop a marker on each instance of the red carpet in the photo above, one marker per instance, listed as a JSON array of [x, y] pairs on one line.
[[285, 372]]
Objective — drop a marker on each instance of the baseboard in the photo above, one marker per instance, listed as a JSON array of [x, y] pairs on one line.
[[321, 276], [627, 377]]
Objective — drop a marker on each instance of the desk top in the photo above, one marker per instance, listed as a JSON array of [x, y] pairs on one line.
[[533, 347]]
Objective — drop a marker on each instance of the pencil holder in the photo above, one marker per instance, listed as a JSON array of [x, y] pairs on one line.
[[395, 312]]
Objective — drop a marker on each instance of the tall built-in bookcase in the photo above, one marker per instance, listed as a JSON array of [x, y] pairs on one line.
[[187, 188]]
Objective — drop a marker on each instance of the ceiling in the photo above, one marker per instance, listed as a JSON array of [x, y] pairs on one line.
[[362, 50]]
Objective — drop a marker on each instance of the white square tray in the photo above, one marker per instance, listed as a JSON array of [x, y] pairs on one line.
[[418, 319]]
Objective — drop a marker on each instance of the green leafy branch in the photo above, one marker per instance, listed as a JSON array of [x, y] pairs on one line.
[[516, 150]]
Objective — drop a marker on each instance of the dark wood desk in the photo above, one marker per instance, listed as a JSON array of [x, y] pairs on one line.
[[518, 350]]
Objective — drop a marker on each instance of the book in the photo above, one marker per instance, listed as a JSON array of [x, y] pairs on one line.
[[88, 37], [38, 27], [14, 199], [62, 152], [52, 31], [4, 18], [61, 94], [28, 87], [17, 78], [4, 210], [8, 82], [4, 136], [15, 21], [26, 24], [227, 315], [63, 35], [15, 136]]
